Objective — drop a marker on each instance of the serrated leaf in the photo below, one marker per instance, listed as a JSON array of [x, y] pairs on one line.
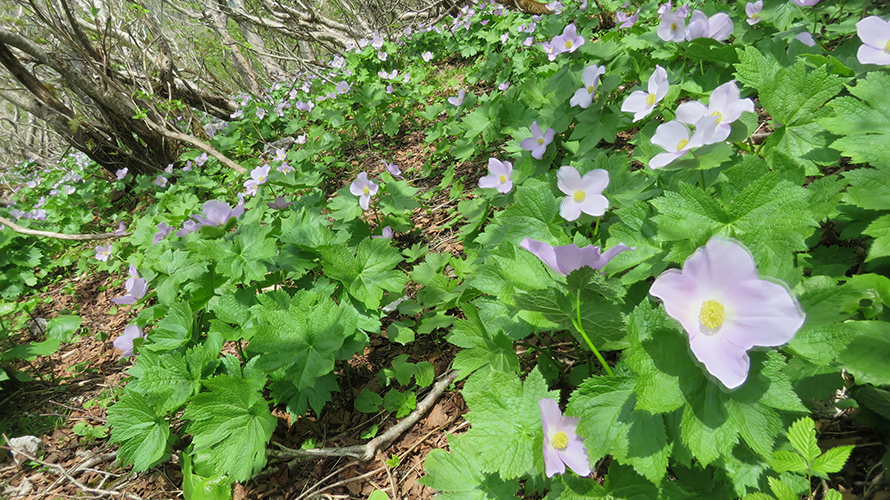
[[802, 436], [499, 401], [864, 125], [231, 425], [141, 432], [367, 273], [866, 355], [610, 425], [174, 331], [832, 460], [879, 229], [480, 348], [788, 461], [781, 490], [458, 474]]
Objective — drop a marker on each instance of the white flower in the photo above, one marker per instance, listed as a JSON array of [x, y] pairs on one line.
[[672, 27], [591, 78], [724, 104], [583, 194], [642, 103]]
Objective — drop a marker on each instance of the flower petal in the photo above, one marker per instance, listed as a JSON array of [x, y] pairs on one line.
[[763, 314], [547, 254], [635, 102], [595, 181], [575, 456], [569, 210], [680, 295], [690, 112], [669, 134], [873, 31], [594, 204], [725, 361], [568, 180], [871, 55]]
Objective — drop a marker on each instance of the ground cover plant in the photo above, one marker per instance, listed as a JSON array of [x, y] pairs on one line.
[[663, 257]]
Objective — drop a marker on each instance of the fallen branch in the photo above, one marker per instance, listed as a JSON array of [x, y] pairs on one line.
[[366, 452], [59, 470], [196, 143], [59, 236]]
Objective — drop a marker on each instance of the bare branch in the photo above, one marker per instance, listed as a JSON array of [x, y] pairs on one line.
[[368, 450], [59, 236]]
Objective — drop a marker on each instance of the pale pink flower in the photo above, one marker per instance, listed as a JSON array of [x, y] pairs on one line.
[[562, 445], [136, 288], [583, 194], [539, 140], [568, 41], [567, 258], [725, 104], [717, 27], [753, 9], [805, 3], [875, 35], [103, 253], [125, 341], [727, 309], [674, 137], [672, 27], [642, 103], [591, 78], [500, 176], [364, 188]]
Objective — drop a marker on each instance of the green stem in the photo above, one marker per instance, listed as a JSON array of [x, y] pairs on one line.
[[701, 178], [580, 328]]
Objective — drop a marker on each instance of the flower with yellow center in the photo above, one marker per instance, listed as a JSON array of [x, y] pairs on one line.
[[499, 178], [727, 309], [562, 445], [725, 105], [590, 77], [364, 188], [640, 102], [583, 194]]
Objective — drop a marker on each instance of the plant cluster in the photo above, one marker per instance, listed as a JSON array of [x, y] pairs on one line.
[[695, 202]]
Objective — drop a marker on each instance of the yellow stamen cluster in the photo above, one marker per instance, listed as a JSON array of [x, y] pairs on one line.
[[568, 44], [579, 196], [560, 440], [365, 190], [591, 89], [719, 116], [712, 314], [682, 144], [540, 141], [502, 179], [650, 99]]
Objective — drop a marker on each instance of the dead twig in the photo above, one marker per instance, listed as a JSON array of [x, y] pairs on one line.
[[368, 451], [59, 470], [59, 236]]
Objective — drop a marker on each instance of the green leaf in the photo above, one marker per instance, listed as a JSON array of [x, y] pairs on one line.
[[166, 381], [175, 268], [174, 331], [61, 327], [602, 320], [306, 345], [460, 476], [879, 229], [610, 425], [480, 348], [795, 98], [832, 460], [142, 433], [231, 425], [781, 490], [788, 461], [499, 401], [368, 401], [244, 257], [367, 273], [802, 436], [864, 125], [195, 487], [866, 355]]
